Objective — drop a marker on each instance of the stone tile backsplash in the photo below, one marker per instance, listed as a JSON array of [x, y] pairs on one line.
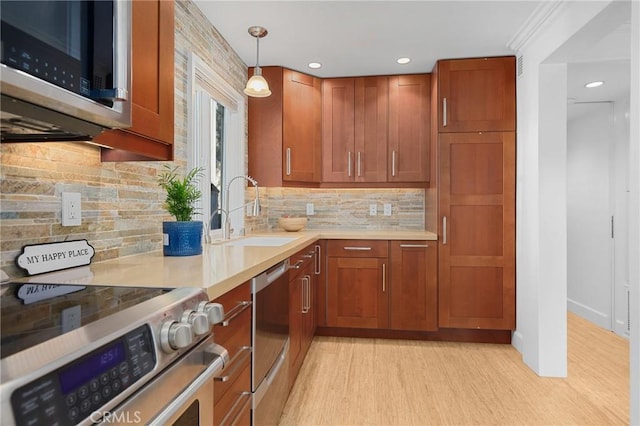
[[343, 208]]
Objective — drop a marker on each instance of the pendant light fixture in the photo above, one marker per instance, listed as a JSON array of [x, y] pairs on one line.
[[257, 86]]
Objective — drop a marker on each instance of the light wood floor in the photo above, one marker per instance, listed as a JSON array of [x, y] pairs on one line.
[[347, 381]]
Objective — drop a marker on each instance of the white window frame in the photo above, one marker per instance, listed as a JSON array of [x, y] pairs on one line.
[[203, 84]]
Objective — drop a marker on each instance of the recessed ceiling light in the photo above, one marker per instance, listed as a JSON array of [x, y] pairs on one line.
[[403, 60], [315, 65], [594, 84]]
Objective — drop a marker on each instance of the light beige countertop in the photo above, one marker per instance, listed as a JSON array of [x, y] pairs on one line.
[[220, 267]]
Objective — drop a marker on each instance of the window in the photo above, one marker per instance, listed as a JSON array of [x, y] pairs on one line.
[[216, 142]]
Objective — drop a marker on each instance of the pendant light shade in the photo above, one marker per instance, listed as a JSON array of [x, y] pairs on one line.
[[257, 86]]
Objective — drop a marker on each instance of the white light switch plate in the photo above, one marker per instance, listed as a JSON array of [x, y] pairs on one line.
[[310, 211], [387, 209]]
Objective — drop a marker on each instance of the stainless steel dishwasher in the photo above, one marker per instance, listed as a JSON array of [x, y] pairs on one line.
[[270, 362]]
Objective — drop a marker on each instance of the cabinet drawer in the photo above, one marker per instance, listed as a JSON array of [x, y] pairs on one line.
[[235, 332], [357, 248], [231, 373], [230, 408]]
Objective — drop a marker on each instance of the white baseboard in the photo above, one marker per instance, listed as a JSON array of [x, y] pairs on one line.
[[517, 341], [598, 318]]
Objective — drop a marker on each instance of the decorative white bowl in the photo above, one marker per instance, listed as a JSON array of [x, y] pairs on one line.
[[292, 224]]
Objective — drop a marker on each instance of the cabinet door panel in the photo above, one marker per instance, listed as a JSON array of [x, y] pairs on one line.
[[479, 95], [414, 288], [301, 139], [409, 128], [371, 129], [152, 77], [338, 154], [477, 258], [357, 292]]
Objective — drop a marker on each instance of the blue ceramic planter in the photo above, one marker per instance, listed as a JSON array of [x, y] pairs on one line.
[[182, 238]]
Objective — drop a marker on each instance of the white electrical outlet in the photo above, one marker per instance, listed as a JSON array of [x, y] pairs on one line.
[[373, 209], [310, 211], [71, 318], [387, 209], [71, 209]]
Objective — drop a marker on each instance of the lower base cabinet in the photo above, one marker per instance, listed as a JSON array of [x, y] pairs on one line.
[[302, 318], [414, 285], [232, 387], [357, 284]]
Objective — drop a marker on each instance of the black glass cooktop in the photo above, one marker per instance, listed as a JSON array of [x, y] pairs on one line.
[[34, 313]]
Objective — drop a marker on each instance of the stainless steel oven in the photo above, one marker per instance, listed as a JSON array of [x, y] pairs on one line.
[[270, 366], [107, 355], [65, 72]]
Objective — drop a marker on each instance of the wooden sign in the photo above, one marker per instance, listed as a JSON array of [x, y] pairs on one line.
[[40, 258]]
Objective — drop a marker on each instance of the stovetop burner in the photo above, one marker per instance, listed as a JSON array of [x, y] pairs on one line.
[[33, 313]]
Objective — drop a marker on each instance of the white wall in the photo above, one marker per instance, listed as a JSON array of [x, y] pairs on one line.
[[597, 188], [541, 320]]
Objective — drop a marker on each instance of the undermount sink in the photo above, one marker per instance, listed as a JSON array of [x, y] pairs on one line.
[[260, 241]]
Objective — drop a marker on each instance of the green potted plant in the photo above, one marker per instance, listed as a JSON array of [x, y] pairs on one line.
[[182, 237]]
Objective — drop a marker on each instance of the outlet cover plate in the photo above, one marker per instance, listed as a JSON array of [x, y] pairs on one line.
[[373, 209], [310, 211], [71, 209], [387, 209]]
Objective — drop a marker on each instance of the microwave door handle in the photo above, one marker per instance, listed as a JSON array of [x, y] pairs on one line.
[[116, 95]]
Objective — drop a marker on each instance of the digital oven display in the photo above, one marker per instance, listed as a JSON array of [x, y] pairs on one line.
[[91, 367]]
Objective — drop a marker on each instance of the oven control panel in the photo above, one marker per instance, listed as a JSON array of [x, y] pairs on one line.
[[75, 391]]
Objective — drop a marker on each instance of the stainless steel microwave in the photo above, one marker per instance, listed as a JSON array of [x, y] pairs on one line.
[[65, 69]]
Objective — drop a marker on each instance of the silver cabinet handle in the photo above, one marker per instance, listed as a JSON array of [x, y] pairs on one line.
[[318, 258], [304, 294], [384, 277], [349, 164], [358, 163], [288, 171], [237, 310], [444, 230], [357, 248], [414, 245], [297, 265], [393, 163], [242, 354], [444, 112]]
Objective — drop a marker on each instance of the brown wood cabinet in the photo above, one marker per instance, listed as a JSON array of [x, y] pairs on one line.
[[409, 128], [232, 388], [357, 284], [302, 311], [414, 285], [354, 133], [476, 193], [477, 247], [477, 95], [151, 134], [285, 129]]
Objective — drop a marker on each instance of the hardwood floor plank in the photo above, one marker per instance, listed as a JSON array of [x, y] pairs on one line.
[[349, 381]]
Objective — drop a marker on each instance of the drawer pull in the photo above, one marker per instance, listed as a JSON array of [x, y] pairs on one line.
[[357, 248], [414, 245], [244, 352], [288, 165], [230, 418], [237, 310], [297, 265], [308, 255]]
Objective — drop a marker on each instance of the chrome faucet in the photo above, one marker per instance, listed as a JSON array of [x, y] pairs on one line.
[[255, 211]]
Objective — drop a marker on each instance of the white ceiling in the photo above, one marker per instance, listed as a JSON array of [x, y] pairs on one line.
[[357, 38]]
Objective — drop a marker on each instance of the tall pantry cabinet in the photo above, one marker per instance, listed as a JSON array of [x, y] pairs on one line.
[[476, 193]]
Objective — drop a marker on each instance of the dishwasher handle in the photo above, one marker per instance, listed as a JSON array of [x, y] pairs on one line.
[[269, 276]]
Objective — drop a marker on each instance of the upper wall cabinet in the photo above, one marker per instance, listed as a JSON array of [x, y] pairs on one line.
[[354, 129], [151, 135], [476, 94], [284, 129], [409, 128]]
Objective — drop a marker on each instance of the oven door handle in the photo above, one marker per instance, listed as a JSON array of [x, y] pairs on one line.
[[220, 357]]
